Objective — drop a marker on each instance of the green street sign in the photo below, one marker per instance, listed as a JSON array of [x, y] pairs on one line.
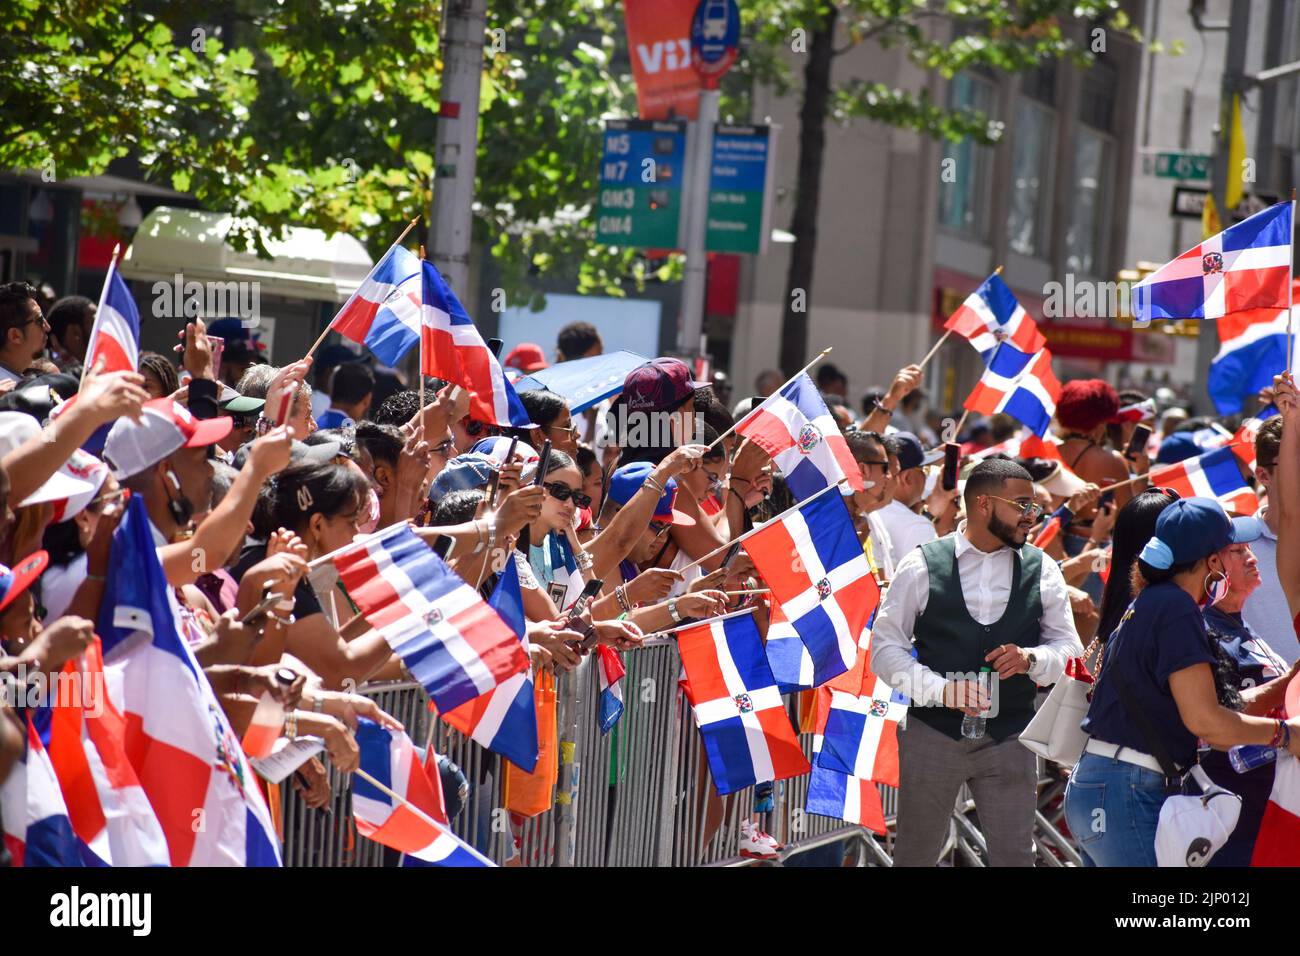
[[1189, 166], [641, 172]]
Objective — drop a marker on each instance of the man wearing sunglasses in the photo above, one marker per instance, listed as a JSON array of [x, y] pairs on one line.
[[23, 330], [977, 598]]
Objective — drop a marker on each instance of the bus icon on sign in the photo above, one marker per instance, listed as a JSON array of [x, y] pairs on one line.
[[715, 20]]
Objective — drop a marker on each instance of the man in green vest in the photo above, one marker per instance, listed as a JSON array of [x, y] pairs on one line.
[[977, 598]]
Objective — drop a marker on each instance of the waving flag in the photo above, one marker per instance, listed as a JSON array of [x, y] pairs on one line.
[[384, 313], [85, 736], [742, 719], [115, 336], [1278, 842], [1242, 442], [991, 315], [455, 351], [451, 641], [504, 720], [1026, 445], [181, 746], [1019, 384], [812, 560], [796, 429], [1252, 349], [792, 665], [1244, 268], [37, 831], [1215, 474], [416, 824], [610, 671], [861, 732]]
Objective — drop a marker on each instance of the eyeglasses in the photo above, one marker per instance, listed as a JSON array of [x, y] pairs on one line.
[[1028, 509], [571, 430], [659, 527], [563, 493]]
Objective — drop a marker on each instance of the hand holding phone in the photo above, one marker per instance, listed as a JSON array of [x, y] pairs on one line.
[[1138, 443], [544, 463], [951, 458]]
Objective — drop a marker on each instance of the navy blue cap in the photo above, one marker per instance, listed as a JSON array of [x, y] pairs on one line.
[[1193, 528], [911, 453], [628, 480], [463, 473], [1178, 447]]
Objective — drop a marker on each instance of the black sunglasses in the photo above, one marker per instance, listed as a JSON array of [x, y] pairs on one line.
[[563, 493]]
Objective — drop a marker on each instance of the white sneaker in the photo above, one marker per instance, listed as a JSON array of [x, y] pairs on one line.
[[756, 844]]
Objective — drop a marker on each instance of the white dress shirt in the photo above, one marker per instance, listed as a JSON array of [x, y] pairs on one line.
[[986, 585], [907, 529]]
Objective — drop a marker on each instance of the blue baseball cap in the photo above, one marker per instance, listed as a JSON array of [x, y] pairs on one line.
[[497, 446], [627, 481], [463, 473], [1178, 447], [1193, 528]]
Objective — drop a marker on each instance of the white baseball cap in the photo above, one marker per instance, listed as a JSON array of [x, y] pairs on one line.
[[164, 426], [1194, 828], [19, 427]]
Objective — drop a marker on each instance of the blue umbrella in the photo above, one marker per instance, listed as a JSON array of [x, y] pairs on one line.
[[584, 382]]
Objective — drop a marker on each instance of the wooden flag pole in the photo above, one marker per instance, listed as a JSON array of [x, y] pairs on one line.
[[420, 371], [103, 294], [711, 620], [824, 352], [1145, 474], [315, 345]]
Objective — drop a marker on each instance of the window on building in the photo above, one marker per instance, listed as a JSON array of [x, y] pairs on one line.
[[1030, 202], [963, 201], [1091, 192]]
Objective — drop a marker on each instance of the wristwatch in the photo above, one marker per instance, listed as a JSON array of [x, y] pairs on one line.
[[1033, 658]]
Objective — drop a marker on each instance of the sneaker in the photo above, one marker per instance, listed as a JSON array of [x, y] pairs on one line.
[[755, 844]]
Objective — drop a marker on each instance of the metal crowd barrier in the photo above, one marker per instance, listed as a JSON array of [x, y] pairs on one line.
[[640, 796]]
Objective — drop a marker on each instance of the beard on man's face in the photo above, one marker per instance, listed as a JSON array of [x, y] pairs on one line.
[[1009, 534]]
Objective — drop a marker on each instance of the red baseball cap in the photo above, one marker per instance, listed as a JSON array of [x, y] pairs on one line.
[[527, 357], [14, 581]]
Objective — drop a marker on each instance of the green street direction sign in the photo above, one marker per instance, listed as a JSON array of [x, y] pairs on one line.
[[641, 173], [1193, 167], [740, 189]]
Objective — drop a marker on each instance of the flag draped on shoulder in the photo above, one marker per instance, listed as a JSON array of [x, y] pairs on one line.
[[37, 831], [451, 641], [115, 335], [1215, 474], [798, 432], [416, 824], [180, 744], [384, 313], [991, 315], [455, 351], [1019, 384], [504, 720], [812, 560], [747, 733]]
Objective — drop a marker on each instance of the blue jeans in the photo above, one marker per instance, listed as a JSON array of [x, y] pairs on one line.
[[1112, 808]]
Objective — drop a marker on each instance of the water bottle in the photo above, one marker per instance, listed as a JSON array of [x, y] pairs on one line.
[[1244, 757], [972, 728]]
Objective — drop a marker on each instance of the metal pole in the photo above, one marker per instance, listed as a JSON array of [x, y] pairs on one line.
[[566, 793], [697, 219], [450, 214]]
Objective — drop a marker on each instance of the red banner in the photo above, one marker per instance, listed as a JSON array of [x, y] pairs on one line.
[[659, 41]]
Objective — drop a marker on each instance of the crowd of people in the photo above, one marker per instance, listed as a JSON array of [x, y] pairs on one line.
[[249, 473]]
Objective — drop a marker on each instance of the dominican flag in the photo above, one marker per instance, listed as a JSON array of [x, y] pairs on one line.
[[831, 793], [1021, 385], [1278, 843], [417, 823], [504, 720], [85, 736], [37, 831], [747, 733], [181, 746], [1252, 349], [861, 731], [812, 560], [1244, 268], [384, 313], [787, 655], [1026, 445], [567, 581], [115, 336], [991, 315], [796, 430], [610, 671], [1242, 442], [455, 352], [1215, 474], [451, 641]]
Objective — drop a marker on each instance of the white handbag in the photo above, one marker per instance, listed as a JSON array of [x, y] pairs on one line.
[[1054, 732]]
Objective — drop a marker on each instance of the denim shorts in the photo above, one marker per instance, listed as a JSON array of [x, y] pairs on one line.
[[1112, 808]]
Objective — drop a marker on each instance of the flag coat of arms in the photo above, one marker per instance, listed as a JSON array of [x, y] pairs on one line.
[[1215, 474], [455, 351], [177, 738], [384, 313], [37, 831], [504, 720], [1243, 268], [115, 336], [796, 429], [814, 565], [742, 719], [451, 641], [991, 315], [1021, 385], [860, 737], [418, 827]]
